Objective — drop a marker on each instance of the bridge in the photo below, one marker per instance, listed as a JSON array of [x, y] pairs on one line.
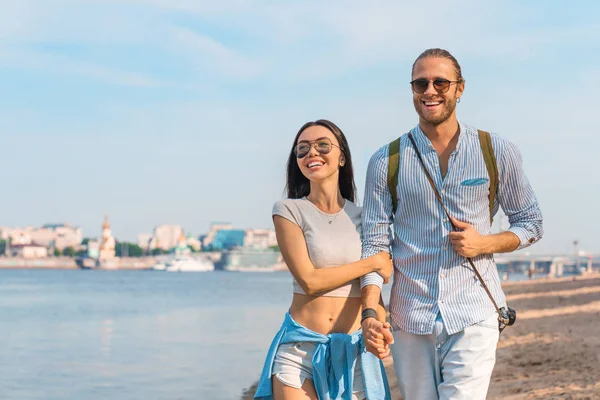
[[549, 265]]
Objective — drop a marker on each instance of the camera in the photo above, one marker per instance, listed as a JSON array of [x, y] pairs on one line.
[[507, 317]]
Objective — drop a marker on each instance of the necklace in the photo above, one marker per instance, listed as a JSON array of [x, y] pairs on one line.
[[327, 216], [334, 217]]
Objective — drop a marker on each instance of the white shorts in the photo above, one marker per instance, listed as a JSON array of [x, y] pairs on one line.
[[293, 364]]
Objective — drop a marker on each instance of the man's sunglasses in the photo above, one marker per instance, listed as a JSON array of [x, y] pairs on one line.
[[322, 145], [440, 85]]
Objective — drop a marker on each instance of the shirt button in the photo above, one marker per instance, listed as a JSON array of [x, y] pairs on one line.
[[444, 248], [443, 191], [442, 275], [445, 220]]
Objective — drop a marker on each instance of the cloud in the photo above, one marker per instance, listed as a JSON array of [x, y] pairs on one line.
[[24, 60], [208, 52], [287, 41], [107, 31], [361, 35]]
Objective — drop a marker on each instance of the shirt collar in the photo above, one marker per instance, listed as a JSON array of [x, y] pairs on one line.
[[424, 143]]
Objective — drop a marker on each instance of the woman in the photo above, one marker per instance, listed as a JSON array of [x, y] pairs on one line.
[[318, 351]]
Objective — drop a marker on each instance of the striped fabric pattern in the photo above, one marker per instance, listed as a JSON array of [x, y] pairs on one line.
[[429, 276]]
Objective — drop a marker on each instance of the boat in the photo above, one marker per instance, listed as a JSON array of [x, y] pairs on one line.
[[188, 264], [160, 266]]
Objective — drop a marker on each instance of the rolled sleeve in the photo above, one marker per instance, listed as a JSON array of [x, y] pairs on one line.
[[517, 199], [524, 236], [372, 278], [377, 213]]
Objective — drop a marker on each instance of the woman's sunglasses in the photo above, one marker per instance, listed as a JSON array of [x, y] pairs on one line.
[[440, 85], [322, 145]]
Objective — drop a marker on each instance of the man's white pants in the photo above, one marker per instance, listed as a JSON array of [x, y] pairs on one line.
[[446, 367]]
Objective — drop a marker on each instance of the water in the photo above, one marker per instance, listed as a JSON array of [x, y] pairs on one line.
[[136, 334]]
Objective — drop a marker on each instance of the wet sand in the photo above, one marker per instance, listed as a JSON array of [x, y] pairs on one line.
[[553, 351]]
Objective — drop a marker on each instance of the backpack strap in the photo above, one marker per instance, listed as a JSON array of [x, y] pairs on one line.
[[392, 174], [485, 141], [490, 163]]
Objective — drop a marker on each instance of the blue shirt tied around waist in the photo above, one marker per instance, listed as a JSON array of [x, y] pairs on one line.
[[332, 364]]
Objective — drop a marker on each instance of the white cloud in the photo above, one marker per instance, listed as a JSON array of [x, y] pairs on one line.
[[206, 51], [361, 34], [24, 60], [149, 27], [292, 41]]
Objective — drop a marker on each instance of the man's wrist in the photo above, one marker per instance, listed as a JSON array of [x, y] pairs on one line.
[[485, 244], [368, 313]]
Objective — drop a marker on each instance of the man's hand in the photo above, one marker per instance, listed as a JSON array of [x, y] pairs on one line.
[[377, 337], [467, 242]]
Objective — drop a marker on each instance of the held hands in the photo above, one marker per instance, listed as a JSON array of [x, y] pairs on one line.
[[377, 337], [383, 265], [467, 242]]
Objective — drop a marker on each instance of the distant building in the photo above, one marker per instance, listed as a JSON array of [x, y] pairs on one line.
[[165, 237], [57, 236], [107, 242], [28, 251], [193, 242], [227, 239], [143, 240], [17, 236], [223, 237], [260, 238], [182, 247], [169, 238], [93, 249], [212, 232]]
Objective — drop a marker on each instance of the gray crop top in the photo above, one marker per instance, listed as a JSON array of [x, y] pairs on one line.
[[328, 244]]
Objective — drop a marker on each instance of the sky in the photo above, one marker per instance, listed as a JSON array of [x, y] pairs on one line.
[[183, 111]]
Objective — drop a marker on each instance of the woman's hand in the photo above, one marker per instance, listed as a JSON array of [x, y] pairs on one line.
[[377, 337], [383, 265]]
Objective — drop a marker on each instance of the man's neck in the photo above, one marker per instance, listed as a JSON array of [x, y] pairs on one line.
[[441, 134]]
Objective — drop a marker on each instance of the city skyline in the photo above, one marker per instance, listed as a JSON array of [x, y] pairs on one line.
[[183, 113], [84, 235], [218, 236]]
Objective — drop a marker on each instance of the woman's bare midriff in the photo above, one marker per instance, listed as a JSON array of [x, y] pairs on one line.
[[327, 314]]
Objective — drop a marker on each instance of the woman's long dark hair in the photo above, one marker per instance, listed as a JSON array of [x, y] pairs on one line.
[[298, 185]]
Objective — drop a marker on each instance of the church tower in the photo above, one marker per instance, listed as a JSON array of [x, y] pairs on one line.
[[107, 243]]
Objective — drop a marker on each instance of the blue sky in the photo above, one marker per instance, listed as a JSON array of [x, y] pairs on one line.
[[183, 111]]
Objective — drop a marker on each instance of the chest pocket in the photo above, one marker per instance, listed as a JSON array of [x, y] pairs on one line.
[[473, 194]]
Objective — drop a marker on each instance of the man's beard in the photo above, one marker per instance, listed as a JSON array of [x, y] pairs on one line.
[[450, 106]]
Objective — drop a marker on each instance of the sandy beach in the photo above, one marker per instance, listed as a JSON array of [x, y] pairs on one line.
[[553, 351]]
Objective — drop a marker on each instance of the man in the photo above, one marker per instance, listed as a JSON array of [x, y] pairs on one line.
[[445, 327]]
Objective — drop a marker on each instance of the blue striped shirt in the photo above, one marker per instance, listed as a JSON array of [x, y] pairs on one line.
[[429, 276]]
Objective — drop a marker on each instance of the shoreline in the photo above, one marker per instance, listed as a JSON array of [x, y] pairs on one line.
[[552, 351], [71, 263]]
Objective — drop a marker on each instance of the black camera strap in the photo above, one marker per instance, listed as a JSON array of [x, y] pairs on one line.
[[454, 228]]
